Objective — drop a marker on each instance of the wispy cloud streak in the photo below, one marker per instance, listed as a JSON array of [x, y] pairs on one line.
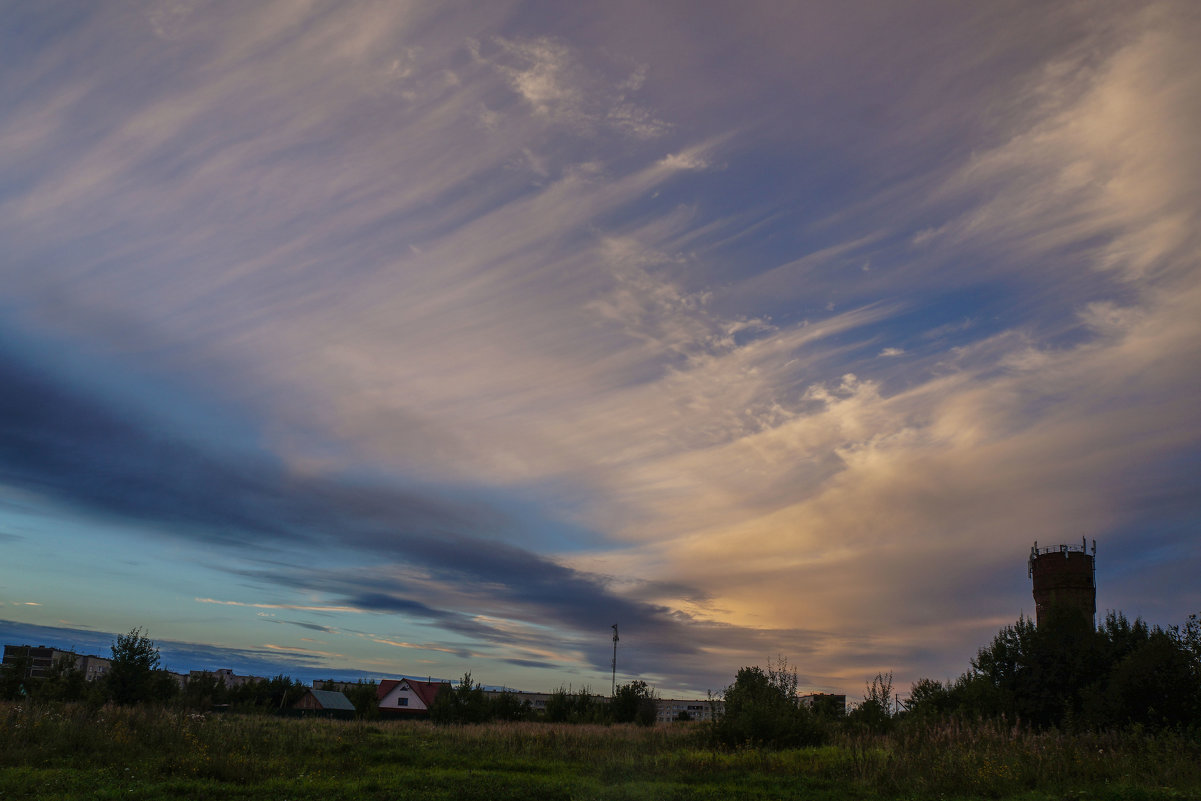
[[787, 333]]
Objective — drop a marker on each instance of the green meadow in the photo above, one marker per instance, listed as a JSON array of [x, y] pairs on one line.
[[50, 751]]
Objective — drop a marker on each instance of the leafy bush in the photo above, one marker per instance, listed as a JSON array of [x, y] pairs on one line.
[[203, 691], [134, 675], [276, 693], [762, 708], [13, 682], [508, 707], [930, 699], [1066, 674], [463, 704], [581, 706], [875, 713], [634, 703], [365, 699]]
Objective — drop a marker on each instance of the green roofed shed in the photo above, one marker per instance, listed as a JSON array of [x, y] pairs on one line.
[[329, 700]]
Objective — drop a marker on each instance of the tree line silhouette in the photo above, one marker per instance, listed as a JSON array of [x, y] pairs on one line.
[[1064, 673]]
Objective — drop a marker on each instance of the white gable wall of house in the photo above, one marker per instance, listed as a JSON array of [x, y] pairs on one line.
[[402, 696]]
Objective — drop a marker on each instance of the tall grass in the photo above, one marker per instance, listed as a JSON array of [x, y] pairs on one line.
[[159, 741], [169, 751], [992, 759]]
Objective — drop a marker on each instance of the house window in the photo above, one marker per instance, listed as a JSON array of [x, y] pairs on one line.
[[402, 701]]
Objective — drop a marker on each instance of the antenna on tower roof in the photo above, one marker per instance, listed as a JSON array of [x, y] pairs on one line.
[[613, 692]]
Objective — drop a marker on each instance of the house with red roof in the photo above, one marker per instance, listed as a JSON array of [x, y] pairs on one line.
[[408, 696]]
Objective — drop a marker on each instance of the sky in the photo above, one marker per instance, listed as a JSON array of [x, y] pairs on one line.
[[417, 338]]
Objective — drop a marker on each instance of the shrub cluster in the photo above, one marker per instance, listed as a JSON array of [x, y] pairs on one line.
[[762, 709], [1064, 673], [135, 677], [1061, 674], [634, 703], [468, 703]]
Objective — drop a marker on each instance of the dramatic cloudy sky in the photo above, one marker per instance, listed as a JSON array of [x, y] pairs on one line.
[[416, 337]]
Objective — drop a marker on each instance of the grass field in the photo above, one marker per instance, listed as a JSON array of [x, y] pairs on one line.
[[72, 752]]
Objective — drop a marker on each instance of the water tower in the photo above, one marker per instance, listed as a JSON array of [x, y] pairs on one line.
[[1065, 576]]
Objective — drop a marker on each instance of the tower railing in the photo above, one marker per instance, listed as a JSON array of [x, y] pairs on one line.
[[1081, 548], [1036, 552]]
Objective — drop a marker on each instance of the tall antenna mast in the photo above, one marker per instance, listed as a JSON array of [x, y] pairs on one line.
[[613, 692]]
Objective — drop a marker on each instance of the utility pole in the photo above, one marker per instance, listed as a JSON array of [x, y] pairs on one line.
[[613, 692]]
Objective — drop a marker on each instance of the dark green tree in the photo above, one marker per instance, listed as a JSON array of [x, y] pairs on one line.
[[203, 691], [1147, 677], [875, 713], [247, 695], [65, 682], [14, 674], [930, 699], [1153, 685], [1065, 673], [132, 678], [267, 695], [463, 704], [365, 699], [579, 706], [164, 686], [507, 706], [1188, 638], [1038, 674], [762, 708], [635, 702], [279, 692], [559, 706]]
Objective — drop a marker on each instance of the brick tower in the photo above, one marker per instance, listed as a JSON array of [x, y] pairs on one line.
[[1065, 576]]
